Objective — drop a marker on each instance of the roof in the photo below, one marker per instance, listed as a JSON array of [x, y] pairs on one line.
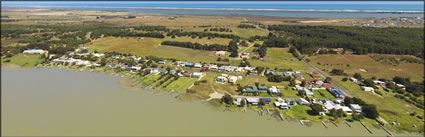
[[355, 106], [249, 99], [266, 99]]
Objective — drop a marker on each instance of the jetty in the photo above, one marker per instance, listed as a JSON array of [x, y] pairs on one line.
[[281, 117], [333, 122], [268, 111], [389, 133], [324, 124], [348, 124], [302, 122], [366, 127]]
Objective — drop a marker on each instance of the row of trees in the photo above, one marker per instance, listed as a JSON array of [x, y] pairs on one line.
[[201, 34], [246, 26], [219, 30], [152, 28], [362, 40], [212, 47]]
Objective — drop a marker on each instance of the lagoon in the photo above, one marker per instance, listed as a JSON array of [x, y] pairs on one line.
[[62, 102]]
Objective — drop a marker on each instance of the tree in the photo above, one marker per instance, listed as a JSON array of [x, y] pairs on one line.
[[370, 111], [369, 83], [357, 117], [316, 109], [358, 76], [227, 99], [328, 79], [242, 102]]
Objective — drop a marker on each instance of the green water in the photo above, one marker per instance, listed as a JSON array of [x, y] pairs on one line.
[[59, 102]]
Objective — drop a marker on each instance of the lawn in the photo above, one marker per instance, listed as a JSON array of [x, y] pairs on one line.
[[24, 60], [181, 84], [373, 68], [149, 79], [390, 108], [280, 58], [125, 45]]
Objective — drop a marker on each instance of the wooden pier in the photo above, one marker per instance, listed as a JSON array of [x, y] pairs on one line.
[[281, 117], [333, 122], [302, 123], [389, 133], [324, 124], [268, 111], [366, 128], [348, 124]]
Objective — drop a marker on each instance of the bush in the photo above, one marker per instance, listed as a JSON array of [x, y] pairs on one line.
[[190, 91]]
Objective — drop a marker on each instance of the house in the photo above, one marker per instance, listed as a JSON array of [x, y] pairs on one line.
[[187, 74], [213, 67], [364, 88], [328, 104], [315, 75], [239, 69], [154, 70], [354, 80], [188, 64], [251, 89], [302, 101], [281, 105], [253, 71], [297, 82], [291, 101], [308, 92], [327, 85], [266, 100], [298, 87], [197, 74], [98, 55], [221, 79], [336, 92], [262, 88], [83, 54], [233, 79], [161, 62], [237, 101], [273, 90], [244, 55], [252, 101], [287, 73], [356, 108], [68, 53], [220, 53], [173, 72], [163, 71], [198, 65], [378, 82], [338, 101], [34, 51]]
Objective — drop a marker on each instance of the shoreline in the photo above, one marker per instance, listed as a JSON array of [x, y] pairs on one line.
[[230, 9], [127, 77]]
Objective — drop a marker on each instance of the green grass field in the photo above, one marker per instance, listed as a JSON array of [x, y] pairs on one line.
[[280, 58], [371, 67], [149, 79], [390, 108], [24, 60], [181, 84]]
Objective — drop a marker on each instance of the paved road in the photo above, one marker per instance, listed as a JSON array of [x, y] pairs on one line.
[[346, 93]]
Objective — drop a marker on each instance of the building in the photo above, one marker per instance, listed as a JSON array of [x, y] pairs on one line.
[[251, 89], [273, 90], [34, 51], [356, 108], [266, 100], [188, 64], [302, 101], [221, 79], [252, 101], [220, 53], [336, 92], [354, 80], [308, 92], [233, 79], [237, 101], [364, 88], [198, 65], [378, 82], [197, 74], [315, 75]]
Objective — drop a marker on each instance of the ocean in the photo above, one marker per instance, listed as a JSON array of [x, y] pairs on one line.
[[326, 9]]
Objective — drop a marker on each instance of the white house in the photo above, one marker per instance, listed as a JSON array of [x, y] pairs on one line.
[[34, 51], [197, 65], [252, 100], [237, 101], [197, 74], [233, 79], [302, 101], [274, 90], [354, 80], [377, 82], [281, 105], [221, 79], [98, 55], [356, 108], [364, 88], [308, 92], [213, 67]]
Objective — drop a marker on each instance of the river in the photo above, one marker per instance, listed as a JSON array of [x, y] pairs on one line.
[[61, 102]]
